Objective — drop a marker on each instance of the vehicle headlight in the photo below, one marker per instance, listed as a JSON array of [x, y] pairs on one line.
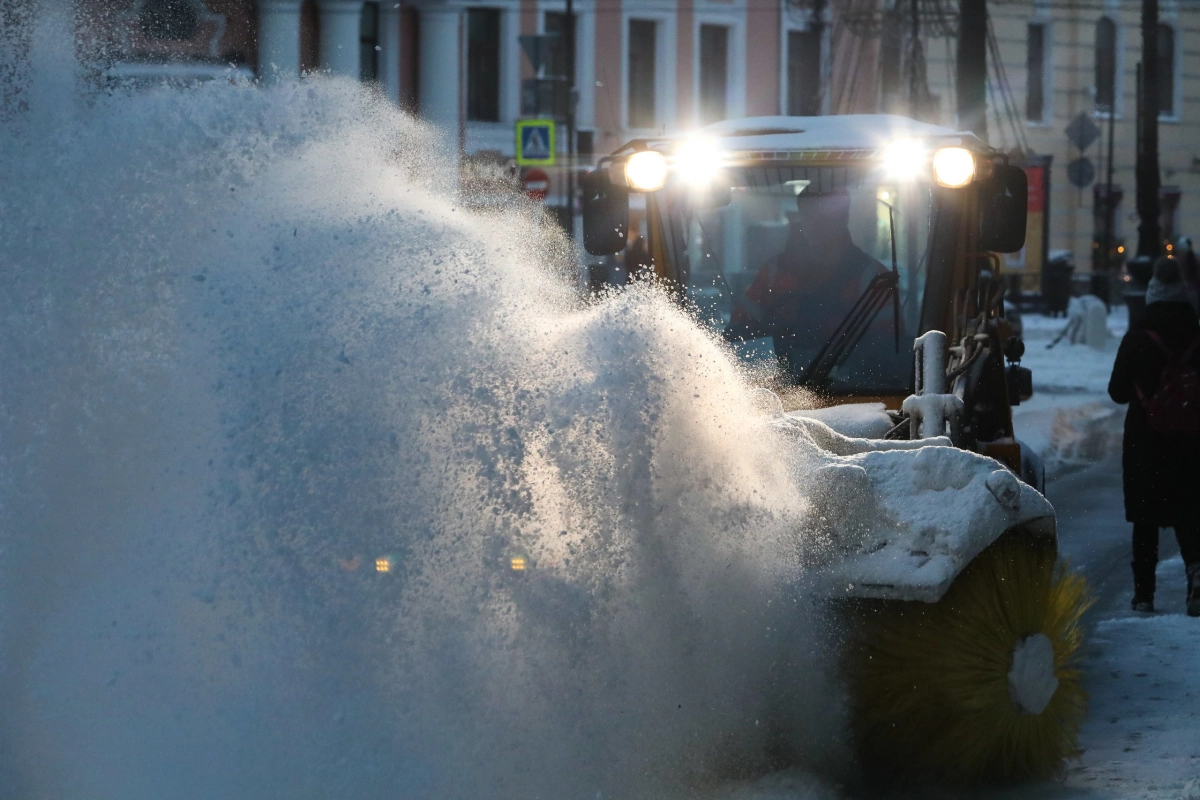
[[953, 167], [904, 159], [646, 171]]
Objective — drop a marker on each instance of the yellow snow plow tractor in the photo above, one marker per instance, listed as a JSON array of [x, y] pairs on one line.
[[857, 256]]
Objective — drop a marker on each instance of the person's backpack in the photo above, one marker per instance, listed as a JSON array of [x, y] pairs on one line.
[[1174, 408]]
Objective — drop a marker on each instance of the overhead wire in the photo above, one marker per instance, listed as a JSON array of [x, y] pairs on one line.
[[1008, 100]]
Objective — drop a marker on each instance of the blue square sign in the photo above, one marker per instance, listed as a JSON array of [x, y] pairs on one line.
[[535, 142]]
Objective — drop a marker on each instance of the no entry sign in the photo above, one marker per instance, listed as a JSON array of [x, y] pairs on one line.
[[537, 184]]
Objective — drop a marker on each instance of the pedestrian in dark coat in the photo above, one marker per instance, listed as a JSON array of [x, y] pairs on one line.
[[1161, 472]]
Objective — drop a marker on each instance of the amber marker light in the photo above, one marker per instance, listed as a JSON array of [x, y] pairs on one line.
[[518, 563], [383, 564], [953, 167]]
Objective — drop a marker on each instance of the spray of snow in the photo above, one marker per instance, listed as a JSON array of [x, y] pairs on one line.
[[278, 419]]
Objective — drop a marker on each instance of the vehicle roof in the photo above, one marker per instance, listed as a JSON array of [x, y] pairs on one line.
[[835, 132]]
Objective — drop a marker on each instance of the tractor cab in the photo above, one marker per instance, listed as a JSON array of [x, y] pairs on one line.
[[830, 244]]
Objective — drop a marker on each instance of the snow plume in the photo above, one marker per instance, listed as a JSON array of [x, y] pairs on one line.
[[279, 420]]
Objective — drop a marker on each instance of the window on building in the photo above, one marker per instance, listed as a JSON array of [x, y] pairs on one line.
[[1166, 71], [1035, 72], [310, 36], [1106, 64], [1168, 213], [483, 64], [368, 43], [642, 45], [556, 65], [804, 74], [168, 20], [714, 72]]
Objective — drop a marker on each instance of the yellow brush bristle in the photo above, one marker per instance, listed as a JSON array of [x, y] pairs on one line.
[[929, 682]]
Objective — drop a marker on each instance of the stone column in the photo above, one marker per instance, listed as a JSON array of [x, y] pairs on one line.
[[389, 49], [341, 22], [441, 68], [278, 40]]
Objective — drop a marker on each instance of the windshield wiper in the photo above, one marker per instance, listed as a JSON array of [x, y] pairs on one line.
[[896, 276], [852, 329], [858, 321]]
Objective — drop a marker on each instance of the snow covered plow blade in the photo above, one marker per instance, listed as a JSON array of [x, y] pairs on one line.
[[963, 623]]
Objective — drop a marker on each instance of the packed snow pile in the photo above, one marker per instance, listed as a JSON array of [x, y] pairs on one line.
[[1064, 367], [903, 518], [855, 420], [1070, 421], [1087, 322]]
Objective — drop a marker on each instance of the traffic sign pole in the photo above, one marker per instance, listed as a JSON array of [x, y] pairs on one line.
[[570, 42]]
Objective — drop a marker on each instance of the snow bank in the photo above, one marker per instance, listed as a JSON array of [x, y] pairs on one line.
[[1070, 421]]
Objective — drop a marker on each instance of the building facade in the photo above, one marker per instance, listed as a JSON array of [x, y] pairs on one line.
[[1054, 64], [644, 67]]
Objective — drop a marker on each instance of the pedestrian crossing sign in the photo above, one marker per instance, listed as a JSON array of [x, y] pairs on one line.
[[535, 143]]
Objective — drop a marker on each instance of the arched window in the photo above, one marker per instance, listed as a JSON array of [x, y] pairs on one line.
[[1106, 64], [168, 20], [1166, 71]]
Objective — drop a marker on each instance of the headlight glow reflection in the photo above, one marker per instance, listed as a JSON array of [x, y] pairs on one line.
[[953, 167], [904, 159], [646, 171], [697, 160]]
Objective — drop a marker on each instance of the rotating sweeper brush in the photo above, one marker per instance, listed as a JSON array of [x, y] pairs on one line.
[[827, 246], [983, 684], [963, 625]]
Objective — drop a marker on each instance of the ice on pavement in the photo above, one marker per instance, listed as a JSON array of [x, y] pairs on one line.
[[1143, 735]]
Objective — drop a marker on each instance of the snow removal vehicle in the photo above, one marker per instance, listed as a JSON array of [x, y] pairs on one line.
[[858, 256]]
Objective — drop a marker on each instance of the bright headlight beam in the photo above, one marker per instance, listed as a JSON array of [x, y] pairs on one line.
[[697, 160], [904, 159], [953, 167], [646, 171]]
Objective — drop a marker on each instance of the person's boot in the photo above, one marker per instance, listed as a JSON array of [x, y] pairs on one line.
[[1143, 587], [1193, 595]]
